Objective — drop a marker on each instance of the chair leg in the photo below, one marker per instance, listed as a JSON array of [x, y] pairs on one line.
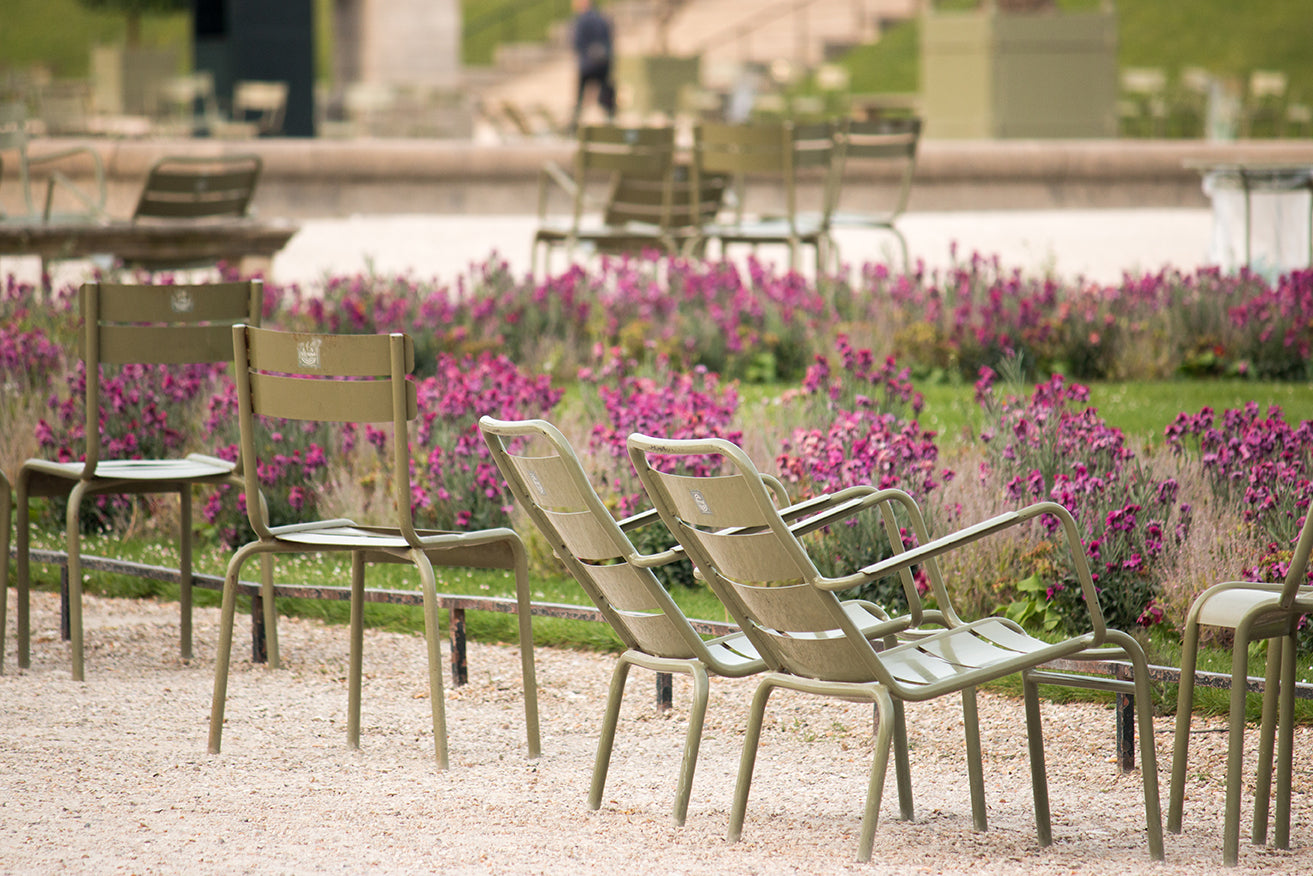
[[73, 546], [1285, 744], [1184, 708], [975, 761], [748, 759], [528, 672], [879, 765], [270, 607], [902, 245], [1235, 746], [606, 741], [1148, 749], [697, 712], [184, 571], [223, 653], [357, 648], [1039, 779], [1266, 740], [22, 545], [902, 765], [5, 514], [433, 638]]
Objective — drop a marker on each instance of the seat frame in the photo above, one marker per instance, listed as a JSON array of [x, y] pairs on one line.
[[768, 583], [355, 378], [1255, 611], [133, 324]]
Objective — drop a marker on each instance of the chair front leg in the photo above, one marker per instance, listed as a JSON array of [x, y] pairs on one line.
[[885, 729], [748, 759], [223, 653], [73, 547], [975, 760], [433, 641], [611, 717], [1148, 749], [1266, 740], [1235, 744], [1285, 743], [1184, 708], [357, 648], [528, 672], [1039, 779], [184, 571], [697, 712]]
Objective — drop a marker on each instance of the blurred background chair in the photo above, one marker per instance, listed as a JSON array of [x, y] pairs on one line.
[[66, 197], [1254, 612], [886, 149], [354, 379], [769, 156], [259, 106], [133, 324]]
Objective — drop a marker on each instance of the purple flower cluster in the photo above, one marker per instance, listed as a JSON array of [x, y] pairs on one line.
[[1259, 461], [1054, 446]]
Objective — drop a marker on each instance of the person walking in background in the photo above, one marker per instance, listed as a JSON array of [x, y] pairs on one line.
[[594, 47]]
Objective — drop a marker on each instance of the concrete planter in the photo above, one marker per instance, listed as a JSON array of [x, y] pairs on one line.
[[989, 73]]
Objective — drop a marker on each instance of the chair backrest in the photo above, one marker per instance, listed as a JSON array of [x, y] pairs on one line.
[[755, 565], [548, 481], [158, 325], [326, 379], [666, 201], [191, 187], [1297, 573], [643, 156], [776, 151], [262, 102], [889, 143]]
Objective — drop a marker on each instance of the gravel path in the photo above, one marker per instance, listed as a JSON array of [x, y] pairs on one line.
[[112, 776]]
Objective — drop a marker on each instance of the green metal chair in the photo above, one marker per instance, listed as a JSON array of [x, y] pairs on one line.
[[357, 379], [884, 146], [775, 154], [548, 481], [1254, 611], [762, 573], [133, 324]]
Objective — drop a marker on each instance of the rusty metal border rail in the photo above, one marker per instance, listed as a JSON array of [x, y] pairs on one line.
[[457, 604]]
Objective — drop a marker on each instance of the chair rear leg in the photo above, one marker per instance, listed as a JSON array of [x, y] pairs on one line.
[[606, 741], [22, 545], [1235, 746], [697, 712], [1285, 744], [357, 649], [1266, 740], [902, 764], [975, 762], [270, 606], [1181, 740], [5, 509], [184, 571], [749, 757], [528, 672], [1038, 774], [433, 641], [1148, 749], [73, 547]]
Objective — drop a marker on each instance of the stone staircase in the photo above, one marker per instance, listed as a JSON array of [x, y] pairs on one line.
[[540, 80]]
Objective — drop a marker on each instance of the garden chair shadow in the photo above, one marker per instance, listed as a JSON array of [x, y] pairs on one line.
[[133, 325], [548, 481], [1254, 612], [634, 215], [789, 611], [775, 154], [354, 379]]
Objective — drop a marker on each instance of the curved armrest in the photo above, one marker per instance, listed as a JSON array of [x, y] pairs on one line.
[[94, 204]]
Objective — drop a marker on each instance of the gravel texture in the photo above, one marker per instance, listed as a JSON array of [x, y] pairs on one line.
[[112, 775]]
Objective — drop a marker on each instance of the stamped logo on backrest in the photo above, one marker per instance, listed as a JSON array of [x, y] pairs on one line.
[[307, 353], [181, 301], [700, 500], [537, 483]]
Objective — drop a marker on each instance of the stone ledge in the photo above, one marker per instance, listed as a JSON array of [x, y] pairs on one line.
[[327, 178]]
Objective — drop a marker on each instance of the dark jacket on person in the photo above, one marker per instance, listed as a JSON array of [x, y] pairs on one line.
[[592, 40]]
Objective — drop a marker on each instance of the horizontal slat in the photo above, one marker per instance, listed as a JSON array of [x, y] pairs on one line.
[[795, 608], [627, 588], [757, 557], [341, 401], [549, 483], [166, 345], [182, 303], [713, 501], [195, 182], [223, 206], [326, 355], [584, 535]]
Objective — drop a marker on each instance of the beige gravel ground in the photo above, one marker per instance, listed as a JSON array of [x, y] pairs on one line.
[[112, 776]]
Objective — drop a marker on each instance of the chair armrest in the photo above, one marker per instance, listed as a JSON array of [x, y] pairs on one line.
[[96, 204]]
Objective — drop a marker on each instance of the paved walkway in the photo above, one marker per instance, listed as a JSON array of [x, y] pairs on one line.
[[1097, 244]]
